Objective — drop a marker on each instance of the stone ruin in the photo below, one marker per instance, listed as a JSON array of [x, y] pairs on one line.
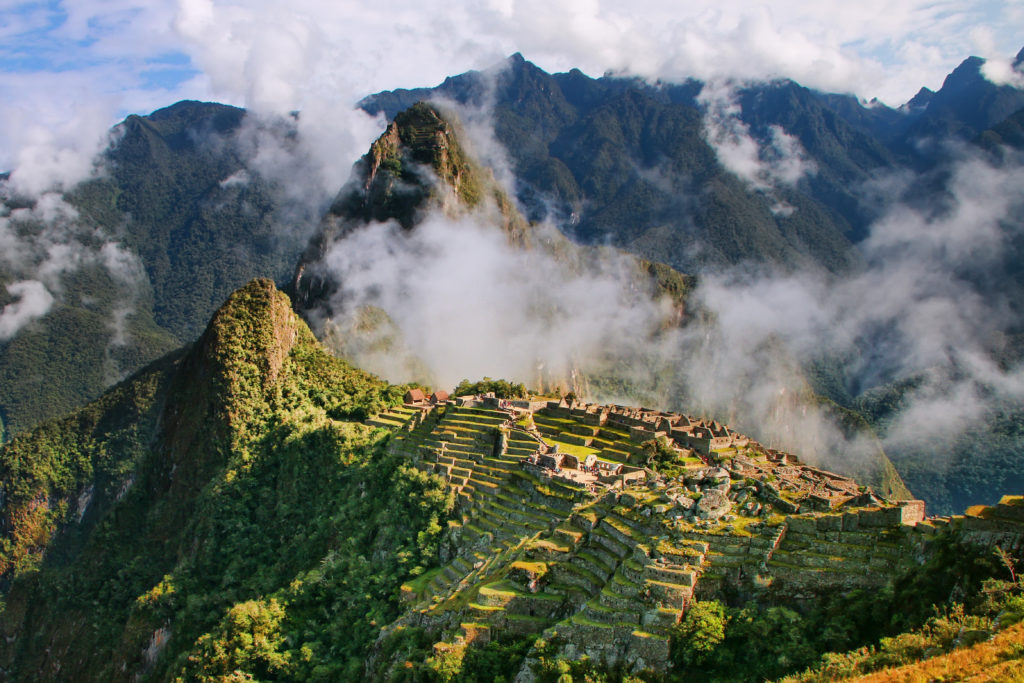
[[611, 565]]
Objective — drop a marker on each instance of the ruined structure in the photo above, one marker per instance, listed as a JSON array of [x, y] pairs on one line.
[[560, 531]]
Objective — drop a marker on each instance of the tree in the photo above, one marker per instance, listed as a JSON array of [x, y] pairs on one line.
[[696, 639]]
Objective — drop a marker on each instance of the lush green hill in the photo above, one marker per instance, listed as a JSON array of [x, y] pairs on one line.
[[163, 195], [227, 489], [252, 507]]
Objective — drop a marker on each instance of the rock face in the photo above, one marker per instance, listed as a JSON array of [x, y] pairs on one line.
[[713, 505], [416, 166]]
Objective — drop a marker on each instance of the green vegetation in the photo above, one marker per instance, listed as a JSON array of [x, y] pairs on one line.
[[981, 461], [161, 197], [68, 357], [659, 456], [502, 388], [227, 514], [234, 496], [999, 605], [838, 636]]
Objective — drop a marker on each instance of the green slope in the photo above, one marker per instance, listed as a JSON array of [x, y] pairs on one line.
[[161, 195], [230, 513], [225, 488]]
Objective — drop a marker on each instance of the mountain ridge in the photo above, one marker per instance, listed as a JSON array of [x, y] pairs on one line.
[[279, 480]]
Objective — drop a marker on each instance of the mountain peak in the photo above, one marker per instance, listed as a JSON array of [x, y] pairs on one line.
[[234, 367], [920, 100], [967, 71], [418, 165], [251, 334]]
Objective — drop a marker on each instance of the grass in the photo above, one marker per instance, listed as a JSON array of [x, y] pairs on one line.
[[539, 568], [418, 584], [551, 545], [645, 634], [1000, 659], [573, 449], [505, 589]]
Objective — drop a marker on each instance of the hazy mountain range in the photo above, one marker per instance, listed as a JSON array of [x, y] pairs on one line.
[[208, 476], [786, 205]]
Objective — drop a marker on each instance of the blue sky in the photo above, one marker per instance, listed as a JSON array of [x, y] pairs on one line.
[[69, 70]]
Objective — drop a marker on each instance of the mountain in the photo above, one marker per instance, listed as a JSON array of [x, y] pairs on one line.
[[645, 167], [965, 105], [419, 169], [420, 166], [1007, 133], [620, 160], [141, 519], [172, 223], [253, 507], [416, 166], [179, 215]]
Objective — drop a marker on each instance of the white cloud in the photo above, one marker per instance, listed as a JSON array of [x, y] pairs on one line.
[[33, 301], [924, 306], [321, 56], [998, 67], [42, 244], [781, 160], [468, 304]]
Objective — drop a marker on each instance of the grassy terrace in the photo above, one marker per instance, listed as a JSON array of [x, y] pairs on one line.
[[580, 452], [515, 524]]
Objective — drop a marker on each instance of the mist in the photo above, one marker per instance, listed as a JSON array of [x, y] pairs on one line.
[[467, 304], [459, 302], [925, 309], [42, 245]]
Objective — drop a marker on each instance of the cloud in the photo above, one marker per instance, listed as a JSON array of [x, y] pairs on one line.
[[33, 302], [930, 306], [451, 300], [1003, 72], [45, 242], [998, 68], [872, 48], [467, 304], [780, 160], [70, 70]]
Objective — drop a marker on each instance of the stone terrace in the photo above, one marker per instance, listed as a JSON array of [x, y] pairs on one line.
[[612, 566]]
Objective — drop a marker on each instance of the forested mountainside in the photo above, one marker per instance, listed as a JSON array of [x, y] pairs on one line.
[[252, 507], [646, 167], [178, 215], [628, 162], [208, 494], [612, 158], [174, 221], [419, 167]]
